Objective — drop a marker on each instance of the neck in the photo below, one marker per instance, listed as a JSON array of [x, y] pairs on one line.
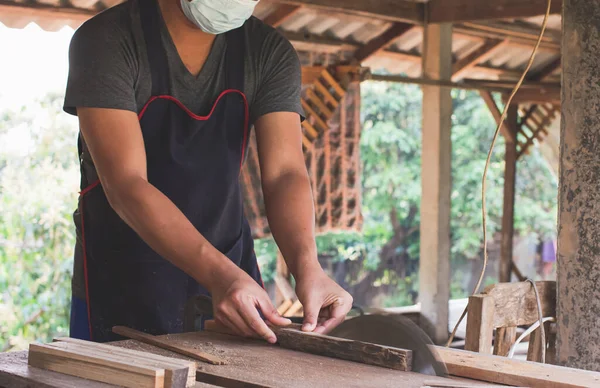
[[178, 24]]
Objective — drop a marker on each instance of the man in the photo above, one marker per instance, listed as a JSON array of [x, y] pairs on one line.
[[166, 92]]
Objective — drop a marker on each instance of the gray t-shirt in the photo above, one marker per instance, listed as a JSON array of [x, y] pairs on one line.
[[109, 67]]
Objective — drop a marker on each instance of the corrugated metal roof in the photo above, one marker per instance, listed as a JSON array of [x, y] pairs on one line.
[[325, 37]]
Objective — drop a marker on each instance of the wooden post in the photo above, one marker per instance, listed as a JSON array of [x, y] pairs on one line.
[[578, 294], [508, 213], [434, 275]]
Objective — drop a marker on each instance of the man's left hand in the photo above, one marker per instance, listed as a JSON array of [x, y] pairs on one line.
[[325, 303]]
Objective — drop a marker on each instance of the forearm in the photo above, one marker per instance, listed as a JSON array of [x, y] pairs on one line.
[[291, 215], [157, 220]]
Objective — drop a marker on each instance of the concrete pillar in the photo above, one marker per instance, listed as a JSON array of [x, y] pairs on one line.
[[434, 272], [578, 300]]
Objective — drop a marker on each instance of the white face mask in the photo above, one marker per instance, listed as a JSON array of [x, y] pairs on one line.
[[218, 16]]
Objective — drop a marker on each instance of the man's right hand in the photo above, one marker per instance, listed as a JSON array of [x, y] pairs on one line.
[[237, 304]]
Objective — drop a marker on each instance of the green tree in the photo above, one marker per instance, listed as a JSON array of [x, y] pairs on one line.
[[38, 191]]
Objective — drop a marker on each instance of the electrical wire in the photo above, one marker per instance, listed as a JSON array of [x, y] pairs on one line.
[[487, 164], [529, 330]]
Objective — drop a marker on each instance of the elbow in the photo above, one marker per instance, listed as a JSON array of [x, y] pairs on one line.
[[121, 195]]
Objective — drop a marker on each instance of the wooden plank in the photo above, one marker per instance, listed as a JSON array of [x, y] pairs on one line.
[[311, 113], [453, 11], [95, 367], [516, 305], [310, 130], [393, 10], [491, 104], [478, 56], [541, 95], [293, 309], [281, 14], [366, 353], [326, 94], [161, 343], [480, 327], [505, 337], [176, 370], [434, 275], [534, 350], [283, 307], [380, 42], [316, 100], [508, 209], [327, 77], [503, 370]]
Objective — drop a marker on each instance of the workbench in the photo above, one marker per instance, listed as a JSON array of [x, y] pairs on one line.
[[251, 363]]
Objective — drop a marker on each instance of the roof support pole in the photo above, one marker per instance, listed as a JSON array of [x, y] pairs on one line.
[[578, 299], [434, 272]]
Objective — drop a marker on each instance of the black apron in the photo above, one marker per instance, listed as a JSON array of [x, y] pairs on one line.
[[195, 161]]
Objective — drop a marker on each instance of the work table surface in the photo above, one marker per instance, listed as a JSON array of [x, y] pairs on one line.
[[251, 363]]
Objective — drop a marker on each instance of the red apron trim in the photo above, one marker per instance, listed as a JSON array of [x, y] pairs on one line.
[[202, 118], [83, 245]]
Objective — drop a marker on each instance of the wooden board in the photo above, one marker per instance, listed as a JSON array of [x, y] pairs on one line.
[[97, 367], [157, 341], [177, 372], [508, 371], [254, 363], [16, 373]]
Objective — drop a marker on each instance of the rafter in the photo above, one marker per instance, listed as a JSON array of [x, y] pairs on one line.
[[281, 14], [391, 10], [454, 11], [491, 104], [546, 71], [382, 41], [476, 57]]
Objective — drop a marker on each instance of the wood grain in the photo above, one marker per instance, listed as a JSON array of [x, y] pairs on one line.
[[503, 370], [178, 373], [162, 343], [505, 337], [111, 370], [480, 327], [363, 352]]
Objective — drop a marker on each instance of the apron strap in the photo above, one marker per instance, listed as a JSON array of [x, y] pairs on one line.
[[157, 57], [234, 59]]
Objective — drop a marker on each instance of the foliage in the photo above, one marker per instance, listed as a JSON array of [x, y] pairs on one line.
[[38, 188]]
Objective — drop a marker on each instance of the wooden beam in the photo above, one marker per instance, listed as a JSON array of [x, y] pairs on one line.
[[546, 71], [164, 344], [455, 11], [98, 367], [476, 57], [281, 14], [374, 46], [493, 108], [434, 272], [505, 337], [541, 95], [508, 209], [503, 370], [392, 10]]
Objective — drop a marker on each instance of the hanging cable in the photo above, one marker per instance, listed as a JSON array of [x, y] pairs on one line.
[[487, 163]]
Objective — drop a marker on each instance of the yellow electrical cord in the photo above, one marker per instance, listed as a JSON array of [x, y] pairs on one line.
[[487, 163]]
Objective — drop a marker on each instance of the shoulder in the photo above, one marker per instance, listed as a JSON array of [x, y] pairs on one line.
[[265, 40], [110, 27]]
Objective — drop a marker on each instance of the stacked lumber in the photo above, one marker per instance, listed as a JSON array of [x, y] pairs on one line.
[[112, 365]]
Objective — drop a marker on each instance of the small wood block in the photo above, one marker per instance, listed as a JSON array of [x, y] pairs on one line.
[[333, 83], [316, 100], [534, 350], [310, 130], [165, 344], [178, 373], [345, 349], [480, 324], [95, 367], [326, 94], [294, 308], [505, 337], [310, 111], [284, 306]]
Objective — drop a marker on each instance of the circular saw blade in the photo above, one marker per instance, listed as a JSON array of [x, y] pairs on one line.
[[396, 331]]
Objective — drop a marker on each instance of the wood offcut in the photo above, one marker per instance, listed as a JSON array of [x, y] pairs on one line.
[[165, 344]]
